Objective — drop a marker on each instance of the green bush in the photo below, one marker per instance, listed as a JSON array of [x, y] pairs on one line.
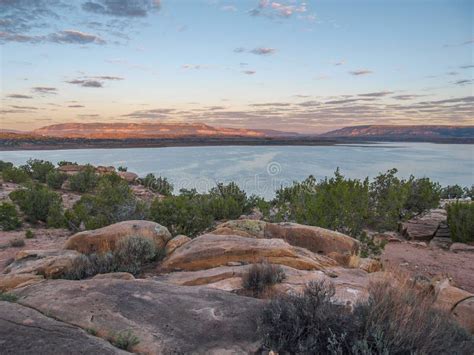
[[38, 169], [65, 162], [452, 191], [130, 256], [461, 221], [395, 320], [113, 202], [9, 217], [84, 181], [262, 276], [183, 214], [55, 179], [423, 194], [39, 203], [5, 165], [29, 234], [8, 297], [336, 203], [159, 185], [227, 201], [15, 175], [125, 340]]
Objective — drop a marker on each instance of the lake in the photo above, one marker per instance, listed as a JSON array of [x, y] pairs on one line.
[[263, 169]]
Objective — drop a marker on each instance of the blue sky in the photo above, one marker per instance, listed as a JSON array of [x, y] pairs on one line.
[[307, 66]]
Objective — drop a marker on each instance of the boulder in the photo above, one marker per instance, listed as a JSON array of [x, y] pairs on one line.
[[440, 243], [26, 331], [104, 169], [316, 239], [47, 263], [105, 239], [166, 319], [128, 176], [72, 169], [10, 281], [463, 312], [209, 251], [461, 248], [425, 226], [175, 243], [370, 265], [243, 227]]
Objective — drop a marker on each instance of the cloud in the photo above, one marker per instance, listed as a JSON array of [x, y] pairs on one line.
[[76, 106], [19, 96], [466, 66], [342, 62], [463, 82], [87, 83], [239, 50], [194, 66], [229, 8], [360, 72], [72, 36], [44, 90], [106, 77], [153, 113], [61, 37], [122, 8], [405, 97], [282, 9], [377, 94], [249, 72], [263, 51], [24, 107]]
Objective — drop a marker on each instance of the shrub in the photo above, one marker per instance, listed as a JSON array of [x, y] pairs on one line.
[[369, 247], [17, 243], [130, 255], [159, 185], [461, 221], [39, 204], [122, 168], [262, 276], [423, 194], [15, 175], [9, 217], [125, 340], [8, 297], [84, 181], [227, 201], [113, 202], [38, 169], [29, 234], [65, 162], [337, 203], [396, 319], [452, 192], [5, 165], [55, 179]]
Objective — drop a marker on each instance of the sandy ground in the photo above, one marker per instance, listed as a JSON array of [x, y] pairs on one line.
[[431, 262]]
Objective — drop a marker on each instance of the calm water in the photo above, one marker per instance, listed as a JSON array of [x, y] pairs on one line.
[[263, 169]]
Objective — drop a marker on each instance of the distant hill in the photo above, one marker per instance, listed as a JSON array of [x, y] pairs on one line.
[[384, 132], [150, 130]]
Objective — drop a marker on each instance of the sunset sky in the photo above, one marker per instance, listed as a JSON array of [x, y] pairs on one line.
[[306, 66]]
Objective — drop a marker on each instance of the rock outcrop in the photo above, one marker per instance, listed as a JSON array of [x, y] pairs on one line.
[[315, 239], [209, 251], [166, 319], [26, 331], [424, 227], [105, 239], [128, 176], [461, 248], [175, 243]]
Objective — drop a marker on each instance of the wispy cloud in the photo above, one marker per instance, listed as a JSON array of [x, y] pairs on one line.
[[249, 72], [86, 83], [122, 8], [194, 66], [229, 8], [377, 94], [44, 90], [263, 51], [61, 37], [19, 96], [282, 9], [360, 72], [470, 41]]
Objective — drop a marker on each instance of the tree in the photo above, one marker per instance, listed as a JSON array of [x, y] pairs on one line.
[[84, 181], [9, 217], [38, 169]]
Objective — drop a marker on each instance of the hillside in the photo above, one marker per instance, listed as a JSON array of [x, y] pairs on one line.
[[418, 132], [149, 130]]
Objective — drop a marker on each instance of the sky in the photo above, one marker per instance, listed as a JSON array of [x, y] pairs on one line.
[[291, 65]]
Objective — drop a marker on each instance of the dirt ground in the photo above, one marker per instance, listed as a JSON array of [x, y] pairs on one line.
[[431, 262]]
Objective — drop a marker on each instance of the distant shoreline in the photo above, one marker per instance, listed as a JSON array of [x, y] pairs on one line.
[[81, 143]]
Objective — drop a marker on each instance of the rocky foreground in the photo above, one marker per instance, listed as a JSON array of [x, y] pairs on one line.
[[191, 301]]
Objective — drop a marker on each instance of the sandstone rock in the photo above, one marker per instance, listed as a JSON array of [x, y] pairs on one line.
[[208, 251], [167, 319], [424, 227], [114, 276], [48, 263], [461, 248], [104, 169], [10, 281], [128, 176], [175, 243], [370, 265], [26, 331], [318, 240], [72, 169], [448, 296], [256, 214], [440, 243], [463, 312], [144, 194], [243, 227], [105, 239]]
